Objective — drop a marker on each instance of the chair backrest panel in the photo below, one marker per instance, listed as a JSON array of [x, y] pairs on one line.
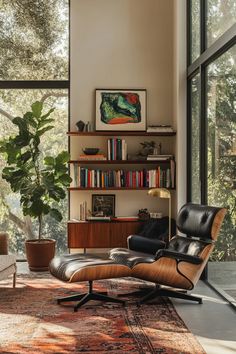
[[200, 220]]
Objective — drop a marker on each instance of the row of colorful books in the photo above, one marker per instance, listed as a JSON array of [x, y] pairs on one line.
[[116, 149], [96, 178]]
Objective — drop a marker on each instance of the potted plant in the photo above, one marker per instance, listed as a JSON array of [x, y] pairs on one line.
[[40, 180]]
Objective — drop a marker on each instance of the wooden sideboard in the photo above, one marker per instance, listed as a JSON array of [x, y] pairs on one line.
[[101, 234]]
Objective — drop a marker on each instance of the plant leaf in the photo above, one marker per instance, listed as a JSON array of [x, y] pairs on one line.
[[37, 109], [63, 157], [54, 213], [44, 130], [49, 160]]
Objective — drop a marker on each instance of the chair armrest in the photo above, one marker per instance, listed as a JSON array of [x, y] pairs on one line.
[[144, 244], [178, 256]]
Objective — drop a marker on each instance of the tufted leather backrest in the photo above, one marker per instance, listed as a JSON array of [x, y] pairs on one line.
[[197, 220]]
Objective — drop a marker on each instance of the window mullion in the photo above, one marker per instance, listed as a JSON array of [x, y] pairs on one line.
[[203, 134], [203, 25]]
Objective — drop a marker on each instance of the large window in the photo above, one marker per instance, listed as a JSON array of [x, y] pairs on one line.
[[195, 139], [221, 15], [212, 127], [34, 66]]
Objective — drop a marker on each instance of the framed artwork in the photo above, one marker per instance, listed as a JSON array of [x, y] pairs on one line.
[[103, 204], [121, 110]]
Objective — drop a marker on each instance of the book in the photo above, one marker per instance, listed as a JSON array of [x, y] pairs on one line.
[[125, 218], [159, 157], [92, 157], [76, 175]]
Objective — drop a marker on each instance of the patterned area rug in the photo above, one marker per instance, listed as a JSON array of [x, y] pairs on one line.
[[32, 322]]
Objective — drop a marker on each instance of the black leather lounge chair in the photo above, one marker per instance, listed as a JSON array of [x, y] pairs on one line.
[[179, 266]]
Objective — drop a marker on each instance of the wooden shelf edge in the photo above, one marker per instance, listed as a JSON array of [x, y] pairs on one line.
[[120, 133], [119, 162], [113, 188], [100, 221]]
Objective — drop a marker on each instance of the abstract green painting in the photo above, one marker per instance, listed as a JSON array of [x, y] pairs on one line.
[[120, 110]]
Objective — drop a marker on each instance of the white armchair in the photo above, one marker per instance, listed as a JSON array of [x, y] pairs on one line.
[[8, 267], [7, 262]]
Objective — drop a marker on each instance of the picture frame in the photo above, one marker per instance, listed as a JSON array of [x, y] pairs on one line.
[[121, 109], [103, 205]]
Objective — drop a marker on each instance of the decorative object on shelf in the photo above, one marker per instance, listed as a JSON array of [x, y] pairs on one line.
[[163, 193], [121, 109], [156, 215], [90, 151], [103, 204], [157, 150], [80, 125], [87, 127], [147, 148], [40, 180], [143, 214], [160, 129], [83, 211]]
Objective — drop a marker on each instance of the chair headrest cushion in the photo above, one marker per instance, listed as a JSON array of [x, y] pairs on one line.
[[196, 220]]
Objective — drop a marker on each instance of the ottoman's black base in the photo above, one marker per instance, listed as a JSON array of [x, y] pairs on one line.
[[85, 297]]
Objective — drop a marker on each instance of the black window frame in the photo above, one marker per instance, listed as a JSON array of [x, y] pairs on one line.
[[207, 56]]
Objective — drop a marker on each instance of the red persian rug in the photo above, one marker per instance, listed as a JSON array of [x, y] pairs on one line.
[[32, 322]]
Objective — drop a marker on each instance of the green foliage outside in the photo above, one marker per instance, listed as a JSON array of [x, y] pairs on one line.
[[221, 143], [34, 46]]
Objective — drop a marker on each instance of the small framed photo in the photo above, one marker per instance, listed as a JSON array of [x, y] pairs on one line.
[[103, 204], [121, 110]]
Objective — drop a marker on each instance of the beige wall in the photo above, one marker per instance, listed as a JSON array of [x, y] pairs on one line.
[[122, 44], [179, 95]]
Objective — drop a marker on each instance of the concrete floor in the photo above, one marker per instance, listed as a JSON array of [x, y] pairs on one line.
[[223, 275], [213, 322]]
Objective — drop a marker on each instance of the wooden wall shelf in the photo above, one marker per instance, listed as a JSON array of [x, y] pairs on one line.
[[121, 162], [118, 133], [95, 234], [111, 188]]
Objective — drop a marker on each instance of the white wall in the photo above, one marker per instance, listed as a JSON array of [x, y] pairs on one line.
[[122, 44]]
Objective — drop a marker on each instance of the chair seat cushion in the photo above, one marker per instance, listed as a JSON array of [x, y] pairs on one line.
[[86, 267], [130, 258]]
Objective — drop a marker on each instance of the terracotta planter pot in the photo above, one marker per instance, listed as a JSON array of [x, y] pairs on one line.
[[39, 254], [3, 243]]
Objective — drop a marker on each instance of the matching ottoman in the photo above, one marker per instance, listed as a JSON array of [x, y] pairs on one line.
[[87, 267]]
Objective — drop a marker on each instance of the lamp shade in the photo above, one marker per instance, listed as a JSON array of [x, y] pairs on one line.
[[160, 193]]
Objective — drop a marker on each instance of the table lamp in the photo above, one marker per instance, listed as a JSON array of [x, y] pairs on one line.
[[165, 194]]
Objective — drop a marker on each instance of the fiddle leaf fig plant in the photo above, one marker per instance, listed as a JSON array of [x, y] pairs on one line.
[[40, 180]]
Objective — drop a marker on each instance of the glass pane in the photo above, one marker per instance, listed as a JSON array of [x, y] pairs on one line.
[[195, 148], [14, 103], [221, 15], [195, 31], [34, 40], [222, 165]]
